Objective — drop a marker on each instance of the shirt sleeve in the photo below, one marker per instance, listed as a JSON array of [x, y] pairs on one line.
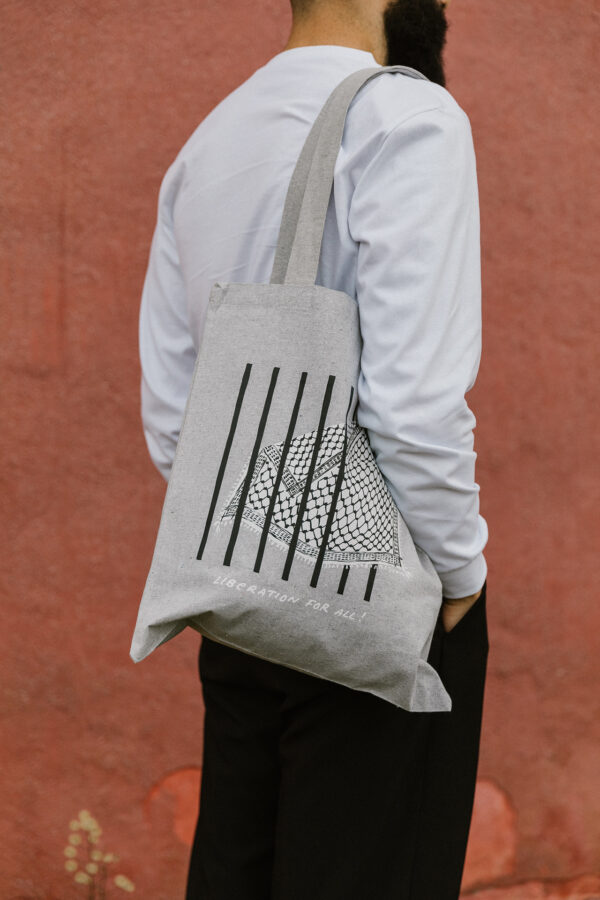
[[167, 352], [415, 216]]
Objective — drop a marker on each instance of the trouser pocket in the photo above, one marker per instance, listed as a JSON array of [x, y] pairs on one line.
[[472, 626]]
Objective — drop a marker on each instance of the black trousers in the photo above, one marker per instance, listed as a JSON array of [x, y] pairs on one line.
[[314, 791]]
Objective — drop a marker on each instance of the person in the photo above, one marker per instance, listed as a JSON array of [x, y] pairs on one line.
[[310, 789]]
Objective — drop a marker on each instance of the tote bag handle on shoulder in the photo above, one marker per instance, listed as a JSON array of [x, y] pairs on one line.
[[303, 220]]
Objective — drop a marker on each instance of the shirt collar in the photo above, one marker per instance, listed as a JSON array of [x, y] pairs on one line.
[[326, 51]]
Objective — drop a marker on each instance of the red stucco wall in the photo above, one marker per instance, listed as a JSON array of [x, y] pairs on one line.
[[98, 99]]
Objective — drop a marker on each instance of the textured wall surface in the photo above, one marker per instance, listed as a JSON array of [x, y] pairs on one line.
[[98, 97]]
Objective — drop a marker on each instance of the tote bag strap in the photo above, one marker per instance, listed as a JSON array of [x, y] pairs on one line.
[[303, 220]]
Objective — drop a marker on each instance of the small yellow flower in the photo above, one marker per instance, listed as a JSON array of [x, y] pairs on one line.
[[92, 868], [96, 854], [82, 878], [110, 857], [70, 851], [74, 838], [84, 814], [93, 838], [124, 883], [71, 865], [74, 825]]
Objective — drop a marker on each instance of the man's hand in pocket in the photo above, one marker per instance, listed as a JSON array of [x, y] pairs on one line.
[[453, 609]]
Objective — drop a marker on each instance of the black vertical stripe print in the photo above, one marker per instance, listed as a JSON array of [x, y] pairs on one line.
[[333, 505], [343, 579], [370, 582], [308, 484], [224, 458], [280, 469], [255, 451]]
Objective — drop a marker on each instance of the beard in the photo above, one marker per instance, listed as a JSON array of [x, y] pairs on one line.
[[415, 32]]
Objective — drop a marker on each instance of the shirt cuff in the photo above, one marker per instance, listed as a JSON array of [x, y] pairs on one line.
[[466, 580]]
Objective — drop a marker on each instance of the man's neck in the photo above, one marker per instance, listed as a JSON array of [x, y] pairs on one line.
[[324, 32]]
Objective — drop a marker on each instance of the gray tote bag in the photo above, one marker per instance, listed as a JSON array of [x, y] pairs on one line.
[[278, 534]]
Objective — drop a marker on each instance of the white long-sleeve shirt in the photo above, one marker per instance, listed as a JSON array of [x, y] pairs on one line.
[[401, 237]]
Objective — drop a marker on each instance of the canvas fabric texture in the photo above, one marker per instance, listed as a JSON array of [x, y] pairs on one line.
[[278, 535]]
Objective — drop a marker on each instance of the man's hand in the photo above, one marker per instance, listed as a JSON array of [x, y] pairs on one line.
[[453, 609]]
